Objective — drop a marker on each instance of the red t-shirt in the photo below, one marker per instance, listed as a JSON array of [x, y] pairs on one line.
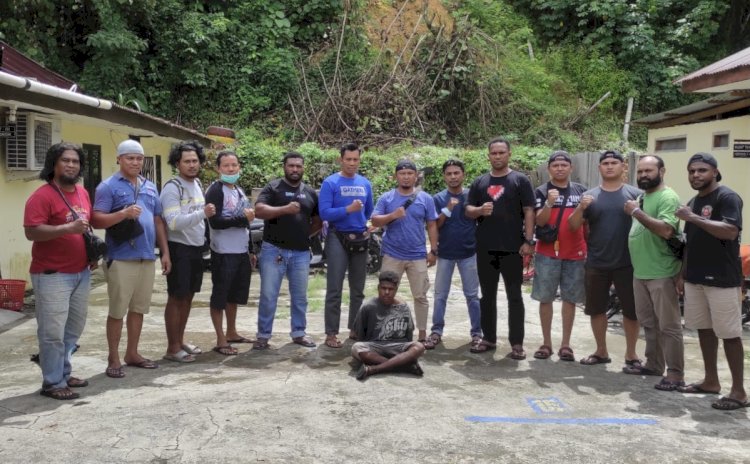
[[571, 244], [66, 253]]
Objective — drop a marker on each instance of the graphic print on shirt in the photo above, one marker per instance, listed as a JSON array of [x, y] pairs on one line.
[[706, 211], [392, 326], [495, 191], [353, 191]]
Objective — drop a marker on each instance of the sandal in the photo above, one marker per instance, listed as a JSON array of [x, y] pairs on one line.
[[115, 372], [635, 367], [75, 382], [60, 394], [305, 341], [182, 356], [189, 348], [144, 364], [432, 341], [482, 346], [566, 354], [593, 359], [518, 353], [544, 352], [227, 350], [261, 344], [669, 385], [332, 342]]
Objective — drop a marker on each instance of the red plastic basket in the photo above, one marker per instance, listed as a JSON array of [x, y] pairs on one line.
[[11, 294]]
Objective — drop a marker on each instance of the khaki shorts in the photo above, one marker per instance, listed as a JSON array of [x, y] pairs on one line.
[[130, 285], [713, 308]]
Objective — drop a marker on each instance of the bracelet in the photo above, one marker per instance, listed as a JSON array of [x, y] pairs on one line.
[[635, 211], [446, 211], [546, 203]]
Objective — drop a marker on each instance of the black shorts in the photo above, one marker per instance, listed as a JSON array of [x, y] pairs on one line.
[[186, 275], [230, 276], [597, 284]]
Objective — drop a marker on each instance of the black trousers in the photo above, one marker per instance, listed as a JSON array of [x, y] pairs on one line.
[[490, 266]]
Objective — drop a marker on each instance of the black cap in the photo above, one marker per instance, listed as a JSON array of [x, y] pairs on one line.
[[707, 158], [611, 154], [406, 164], [389, 276], [559, 155]]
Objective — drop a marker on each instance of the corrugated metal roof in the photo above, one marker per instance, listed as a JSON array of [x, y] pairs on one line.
[[707, 104], [14, 62], [738, 60]]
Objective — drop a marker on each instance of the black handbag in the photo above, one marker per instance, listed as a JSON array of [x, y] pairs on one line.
[[96, 248], [127, 229], [548, 232], [354, 243]]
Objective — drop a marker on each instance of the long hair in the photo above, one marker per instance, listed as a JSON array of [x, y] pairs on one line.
[[175, 154], [54, 153]]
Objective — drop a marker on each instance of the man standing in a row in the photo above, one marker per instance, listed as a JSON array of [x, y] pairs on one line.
[[608, 259], [290, 210], [127, 205], [405, 212], [502, 202], [655, 272], [346, 203], [185, 213], [713, 275]]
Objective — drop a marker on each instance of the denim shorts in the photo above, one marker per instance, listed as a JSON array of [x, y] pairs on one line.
[[551, 273]]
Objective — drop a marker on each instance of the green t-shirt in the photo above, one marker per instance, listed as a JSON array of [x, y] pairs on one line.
[[649, 253]]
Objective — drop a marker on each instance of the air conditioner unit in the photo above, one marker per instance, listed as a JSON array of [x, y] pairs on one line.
[[34, 135]]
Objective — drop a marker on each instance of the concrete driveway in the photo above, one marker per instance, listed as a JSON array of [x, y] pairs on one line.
[[294, 404]]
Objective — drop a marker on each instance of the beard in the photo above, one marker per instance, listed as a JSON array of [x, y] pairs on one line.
[[68, 180], [646, 183]]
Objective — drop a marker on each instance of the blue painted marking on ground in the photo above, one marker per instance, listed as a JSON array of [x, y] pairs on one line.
[[549, 405], [563, 420]]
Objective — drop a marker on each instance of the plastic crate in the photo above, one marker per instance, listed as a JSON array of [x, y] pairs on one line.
[[11, 294]]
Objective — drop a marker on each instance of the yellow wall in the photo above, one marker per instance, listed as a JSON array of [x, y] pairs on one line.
[[15, 252], [735, 172]]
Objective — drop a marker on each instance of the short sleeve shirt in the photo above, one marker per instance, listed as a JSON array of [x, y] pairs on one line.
[[609, 227], [649, 253], [711, 261], [457, 236], [116, 193], [289, 231], [378, 322], [66, 254], [571, 244], [503, 229], [404, 238]]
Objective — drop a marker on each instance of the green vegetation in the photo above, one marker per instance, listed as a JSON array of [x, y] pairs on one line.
[[401, 77]]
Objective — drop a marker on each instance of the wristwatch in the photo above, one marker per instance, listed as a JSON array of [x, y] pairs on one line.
[[531, 242]]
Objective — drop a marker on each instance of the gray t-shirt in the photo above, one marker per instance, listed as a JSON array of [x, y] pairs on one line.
[[233, 239], [609, 227], [182, 209], [378, 322]]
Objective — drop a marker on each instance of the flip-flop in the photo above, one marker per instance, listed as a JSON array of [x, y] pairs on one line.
[[241, 340], [517, 353], [75, 382], [593, 359], [695, 388], [362, 372], [482, 346], [181, 356], [635, 367], [227, 350], [144, 364], [544, 352], [432, 341], [333, 342], [566, 354], [115, 372], [669, 385], [729, 404], [189, 348], [60, 394]]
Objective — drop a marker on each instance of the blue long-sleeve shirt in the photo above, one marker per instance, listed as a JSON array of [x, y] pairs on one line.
[[338, 192]]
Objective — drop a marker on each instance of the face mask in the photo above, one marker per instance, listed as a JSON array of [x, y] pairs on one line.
[[230, 178]]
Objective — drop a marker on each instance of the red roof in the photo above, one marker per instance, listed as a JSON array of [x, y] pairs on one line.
[[14, 62]]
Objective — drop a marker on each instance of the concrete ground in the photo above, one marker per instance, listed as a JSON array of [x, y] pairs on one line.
[[294, 404]]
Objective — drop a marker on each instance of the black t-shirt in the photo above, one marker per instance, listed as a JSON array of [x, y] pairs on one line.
[[711, 261], [609, 227], [289, 231], [378, 322], [503, 229]]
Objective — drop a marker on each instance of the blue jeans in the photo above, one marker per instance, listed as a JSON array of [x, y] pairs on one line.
[[467, 268], [275, 263], [61, 306]]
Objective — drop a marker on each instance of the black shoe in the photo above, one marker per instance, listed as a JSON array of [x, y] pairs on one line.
[[416, 369], [362, 372]]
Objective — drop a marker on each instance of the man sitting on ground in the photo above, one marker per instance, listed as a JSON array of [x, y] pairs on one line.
[[385, 328]]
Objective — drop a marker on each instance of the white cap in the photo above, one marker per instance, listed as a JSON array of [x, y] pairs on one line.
[[129, 147]]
